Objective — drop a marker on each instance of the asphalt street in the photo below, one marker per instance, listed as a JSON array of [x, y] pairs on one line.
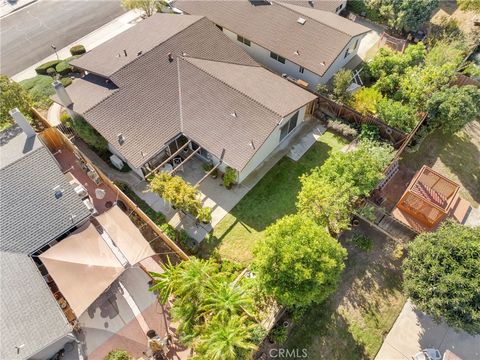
[[26, 35]]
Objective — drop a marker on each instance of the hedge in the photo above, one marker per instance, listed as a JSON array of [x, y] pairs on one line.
[[42, 69], [66, 81], [77, 50], [63, 68], [51, 71]]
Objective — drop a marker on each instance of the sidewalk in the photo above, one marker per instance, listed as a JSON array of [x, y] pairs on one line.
[[7, 7], [90, 41]]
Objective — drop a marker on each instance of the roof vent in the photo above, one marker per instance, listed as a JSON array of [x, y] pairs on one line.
[[322, 63], [58, 192], [301, 21], [170, 57], [184, 53], [125, 52], [310, 3], [252, 144], [139, 53], [296, 52], [121, 139], [234, 114]]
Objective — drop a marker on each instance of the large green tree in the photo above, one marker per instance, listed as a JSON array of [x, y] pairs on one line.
[[298, 261], [341, 81], [13, 95], [453, 107], [396, 114], [442, 275]]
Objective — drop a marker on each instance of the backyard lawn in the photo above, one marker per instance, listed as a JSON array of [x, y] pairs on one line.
[[455, 156], [273, 197]]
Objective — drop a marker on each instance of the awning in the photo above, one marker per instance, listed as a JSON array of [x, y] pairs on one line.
[[125, 234], [82, 266]]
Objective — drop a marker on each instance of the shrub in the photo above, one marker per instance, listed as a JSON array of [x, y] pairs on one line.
[[341, 81], [368, 212], [366, 100], [63, 68], [169, 230], [42, 69], [229, 177], [361, 241], [205, 214], [40, 89], [342, 129], [370, 132], [77, 50], [279, 334], [118, 354], [398, 252], [66, 81], [397, 115], [87, 133], [51, 72]]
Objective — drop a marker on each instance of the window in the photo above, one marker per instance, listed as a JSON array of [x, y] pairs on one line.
[[218, 26], [277, 57], [339, 8], [301, 69], [243, 40], [348, 52], [356, 44], [289, 126]]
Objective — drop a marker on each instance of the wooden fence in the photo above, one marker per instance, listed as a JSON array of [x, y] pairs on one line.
[[54, 139], [463, 80], [333, 109]]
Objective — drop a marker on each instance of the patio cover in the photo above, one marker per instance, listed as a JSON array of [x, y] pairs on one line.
[[125, 235], [82, 266]]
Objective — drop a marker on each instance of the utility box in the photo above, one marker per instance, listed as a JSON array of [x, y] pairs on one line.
[[117, 162]]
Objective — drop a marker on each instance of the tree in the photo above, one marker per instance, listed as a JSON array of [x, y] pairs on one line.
[[341, 81], [397, 115], [226, 340], [469, 5], [150, 7], [452, 108], [442, 275], [366, 100], [446, 51], [13, 96], [298, 262], [176, 190]]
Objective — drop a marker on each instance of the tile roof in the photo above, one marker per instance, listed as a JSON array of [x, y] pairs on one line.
[[31, 216], [146, 109], [30, 315], [319, 40]]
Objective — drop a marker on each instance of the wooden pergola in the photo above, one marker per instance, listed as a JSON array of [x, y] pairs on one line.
[[429, 197]]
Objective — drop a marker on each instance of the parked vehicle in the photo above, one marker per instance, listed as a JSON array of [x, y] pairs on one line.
[[428, 354]]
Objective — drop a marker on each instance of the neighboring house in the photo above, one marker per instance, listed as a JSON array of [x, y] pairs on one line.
[[172, 78], [303, 42], [38, 206]]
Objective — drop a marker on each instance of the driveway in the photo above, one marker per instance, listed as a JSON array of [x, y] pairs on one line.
[[414, 331]]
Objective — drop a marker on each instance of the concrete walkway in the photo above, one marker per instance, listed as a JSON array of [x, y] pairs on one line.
[[90, 41], [414, 331]]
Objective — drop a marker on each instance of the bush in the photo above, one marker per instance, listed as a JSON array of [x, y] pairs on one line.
[[341, 128], [63, 68], [42, 69], [279, 334], [66, 81], [40, 89], [86, 132], [370, 132], [397, 115], [51, 72], [118, 354], [366, 100], [398, 252], [361, 241], [77, 50], [229, 177]]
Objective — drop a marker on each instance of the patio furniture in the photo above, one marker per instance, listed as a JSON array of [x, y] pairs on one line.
[[166, 168], [100, 193], [177, 164]]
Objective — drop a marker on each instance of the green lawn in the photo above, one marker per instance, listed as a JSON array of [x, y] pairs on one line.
[[273, 197]]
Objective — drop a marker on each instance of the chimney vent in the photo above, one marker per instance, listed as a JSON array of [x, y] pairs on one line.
[[234, 114], [125, 52], [62, 94], [301, 21], [121, 139], [58, 192], [22, 122], [252, 144], [296, 52], [170, 57], [139, 53]]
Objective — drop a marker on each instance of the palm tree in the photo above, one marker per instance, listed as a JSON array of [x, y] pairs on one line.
[[223, 301], [226, 340]]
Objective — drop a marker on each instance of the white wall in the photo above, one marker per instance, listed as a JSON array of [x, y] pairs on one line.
[[262, 55], [272, 142], [137, 171]]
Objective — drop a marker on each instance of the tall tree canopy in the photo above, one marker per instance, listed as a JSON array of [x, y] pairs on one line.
[[298, 261], [442, 275], [13, 96], [453, 107]]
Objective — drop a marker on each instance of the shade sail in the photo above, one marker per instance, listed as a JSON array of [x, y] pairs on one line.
[[82, 266], [125, 235]]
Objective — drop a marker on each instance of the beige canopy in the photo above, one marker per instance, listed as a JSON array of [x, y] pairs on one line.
[[82, 266], [125, 235]]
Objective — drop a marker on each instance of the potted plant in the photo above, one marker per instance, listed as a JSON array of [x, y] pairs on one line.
[[205, 215], [229, 177], [207, 167]]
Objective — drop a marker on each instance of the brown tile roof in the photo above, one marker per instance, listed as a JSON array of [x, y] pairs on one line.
[[321, 39], [149, 108]]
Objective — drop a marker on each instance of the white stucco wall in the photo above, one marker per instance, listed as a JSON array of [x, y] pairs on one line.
[[272, 142], [262, 55]]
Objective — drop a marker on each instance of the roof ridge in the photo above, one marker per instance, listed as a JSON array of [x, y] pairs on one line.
[[223, 82], [156, 46], [287, 6]]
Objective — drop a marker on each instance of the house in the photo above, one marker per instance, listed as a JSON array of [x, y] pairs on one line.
[[173, 80], [305, 43], [37, 208]]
